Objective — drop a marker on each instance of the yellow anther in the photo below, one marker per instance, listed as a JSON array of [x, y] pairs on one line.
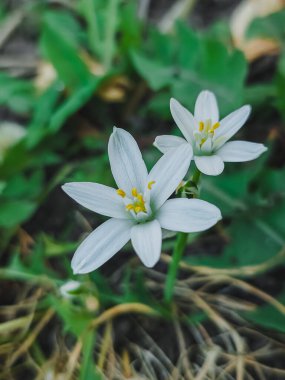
[[140, 198], [202, 142], [201, 126], [138, 204], [121, 193], [149, 185], [215, 126], [134, 192], [138, 209]]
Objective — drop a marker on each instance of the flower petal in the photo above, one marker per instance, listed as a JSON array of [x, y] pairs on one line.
[[210, 165], [101, 245], [99, 198], [166, 234], [206, 107], [146, 240], [183, 119], [166, 142], [231, 124], [240, 151], [168, 172], [188, 215], [126, 161]]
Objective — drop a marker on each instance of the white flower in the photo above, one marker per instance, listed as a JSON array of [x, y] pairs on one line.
[[10, 134], [139, 209], [208, 136]]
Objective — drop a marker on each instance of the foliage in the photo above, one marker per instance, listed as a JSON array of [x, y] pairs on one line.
[[111, 68]]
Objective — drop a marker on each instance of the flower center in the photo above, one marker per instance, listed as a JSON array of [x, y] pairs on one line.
[[137, 203], [206, 130]]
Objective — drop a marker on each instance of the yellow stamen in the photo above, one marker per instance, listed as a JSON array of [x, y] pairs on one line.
[[121, 193], [202, 142], [201, 126], [138, 209], [130, 207], [140, 198], [149, 185], [134, 192], [215, 126]]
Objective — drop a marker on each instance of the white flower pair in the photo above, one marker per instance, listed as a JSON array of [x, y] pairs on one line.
[[139, 209]]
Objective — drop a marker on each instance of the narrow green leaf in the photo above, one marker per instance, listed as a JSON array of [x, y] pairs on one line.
[[63, 54]]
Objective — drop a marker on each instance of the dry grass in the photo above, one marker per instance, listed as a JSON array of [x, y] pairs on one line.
[[222, 345]]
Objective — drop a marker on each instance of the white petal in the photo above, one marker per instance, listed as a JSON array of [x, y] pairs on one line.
[[210, 165], [146, 240], [168, 172], [99, 198], [167, 234], [183, 119], [101, 245], [231, 124], [240, 151], [207, 146], [188, 215], [126, 161], [166, 142], [206, 107]]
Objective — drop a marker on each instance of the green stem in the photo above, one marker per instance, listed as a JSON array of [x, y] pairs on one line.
[[178, 251], [172, 272], [196, 176]]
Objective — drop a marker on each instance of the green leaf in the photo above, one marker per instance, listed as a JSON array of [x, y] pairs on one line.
[[271, 26], [75, 319], [60, 49], [261, 212], [220, 31], [44, 109], [15, 160], [268, 316], [16, 94], [130, 27], [14, 212], [156, 67], [33, 267], [190, 46], [227, 191], [73, 104], [87, 369], [187, 63], [217, 70], [27, 187], [280, 85], [157, 74], [55, 248], [159, 105]]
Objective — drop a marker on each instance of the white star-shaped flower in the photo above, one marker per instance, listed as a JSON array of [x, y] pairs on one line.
[[208, 136], [139, 209]]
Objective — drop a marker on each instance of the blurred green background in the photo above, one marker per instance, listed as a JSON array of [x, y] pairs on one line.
[[69, 72]]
